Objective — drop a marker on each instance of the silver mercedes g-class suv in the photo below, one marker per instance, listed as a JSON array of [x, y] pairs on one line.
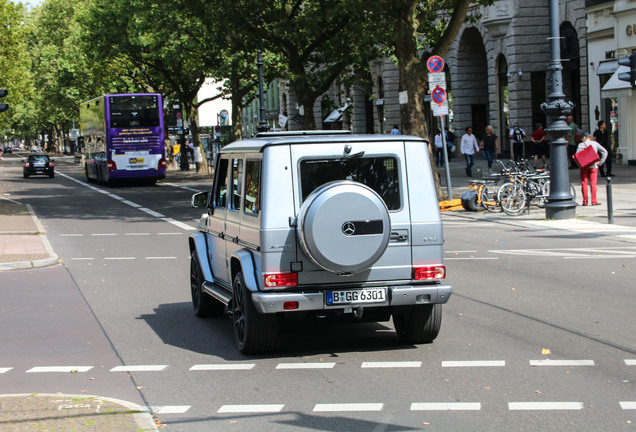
[[320, 223]]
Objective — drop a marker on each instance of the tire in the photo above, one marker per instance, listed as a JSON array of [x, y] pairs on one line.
[[52, 175], [489, 199], [25, 175], [254, 332], [203, 304], [470, 201], [420, 324], [512, 198]]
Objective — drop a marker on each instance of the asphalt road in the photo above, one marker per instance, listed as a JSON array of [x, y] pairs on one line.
[[538, 335]]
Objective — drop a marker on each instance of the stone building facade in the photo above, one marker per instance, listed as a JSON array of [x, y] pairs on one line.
[[496, 75]]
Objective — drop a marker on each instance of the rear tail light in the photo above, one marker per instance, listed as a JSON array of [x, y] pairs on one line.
[[275, 280], [162, 164], [111, 165], [436, 272]]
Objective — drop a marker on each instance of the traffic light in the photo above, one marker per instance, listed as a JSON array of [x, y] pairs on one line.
[[3, 106], [630, 76]]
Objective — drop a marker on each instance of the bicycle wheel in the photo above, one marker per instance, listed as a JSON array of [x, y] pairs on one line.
[[512, 198], [488, 198]]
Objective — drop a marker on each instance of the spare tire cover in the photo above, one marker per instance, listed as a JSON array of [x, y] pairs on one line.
[[344, 226]]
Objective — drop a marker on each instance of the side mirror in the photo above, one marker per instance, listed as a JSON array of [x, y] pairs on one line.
[[200, 200]]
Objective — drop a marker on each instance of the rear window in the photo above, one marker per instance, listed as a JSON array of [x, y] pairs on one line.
[[379, 173], [34, 158]]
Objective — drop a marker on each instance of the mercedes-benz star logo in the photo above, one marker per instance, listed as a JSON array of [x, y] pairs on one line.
[[348, 228]]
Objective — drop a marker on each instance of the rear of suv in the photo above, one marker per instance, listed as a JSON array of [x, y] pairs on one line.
[[320, 224]]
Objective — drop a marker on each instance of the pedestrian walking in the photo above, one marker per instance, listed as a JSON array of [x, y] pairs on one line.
[[589, 174], [395, 130], [516, 136], [450, 142], [490, 146], [540, 147], [468, 148], [601, 136], [439, 149]]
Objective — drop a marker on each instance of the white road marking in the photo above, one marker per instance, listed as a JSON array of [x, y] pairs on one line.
[[469, 258], [120, 258], [599, 257], [446, 406], [461, 251], [82, 259], [630, 362], [5, 370], [628, 405], [305, 365], [71, 235], [104, 234], [137, 234], [139, 368], [171, 409], [206, 367], [235, 409], [549, 362], [132, 204], [403, 364], [348, 407], [179, 224], [170, 233], [474, 363], [66, 369], [530, 406], [161, 258], [151, 212], [181, 187]]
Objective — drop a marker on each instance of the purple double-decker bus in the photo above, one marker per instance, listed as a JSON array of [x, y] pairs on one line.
[[123, 137]]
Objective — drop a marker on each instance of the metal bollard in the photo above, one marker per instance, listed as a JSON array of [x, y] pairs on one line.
[[610, 206]]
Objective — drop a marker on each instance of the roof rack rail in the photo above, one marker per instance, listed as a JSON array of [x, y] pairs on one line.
[[303, 132]]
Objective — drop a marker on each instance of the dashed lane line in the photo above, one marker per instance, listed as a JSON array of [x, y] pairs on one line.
[[5, 370], [549, 362], [474, 363], [245, 409], [544, 406], [171, 409], [446, 406], [222, 366], [628, 405], [63, 369], [131, 203], [348, 407], [305, 365], [398, 364], [139, 368], [630, 362]]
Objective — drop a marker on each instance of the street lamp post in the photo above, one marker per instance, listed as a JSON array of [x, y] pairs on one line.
[[561, 204], [262, 122]]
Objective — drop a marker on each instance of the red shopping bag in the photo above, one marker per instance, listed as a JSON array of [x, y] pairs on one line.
[[586, 157]]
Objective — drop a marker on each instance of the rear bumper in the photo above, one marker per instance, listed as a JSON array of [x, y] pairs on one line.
[[315, 300]]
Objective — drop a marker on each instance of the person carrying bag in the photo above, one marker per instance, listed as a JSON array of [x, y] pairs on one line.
[[588, 159]]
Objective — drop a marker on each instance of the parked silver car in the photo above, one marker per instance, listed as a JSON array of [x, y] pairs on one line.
[[320, 224]]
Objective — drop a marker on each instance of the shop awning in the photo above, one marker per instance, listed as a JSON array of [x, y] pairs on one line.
[[607, 67], [615, 87]]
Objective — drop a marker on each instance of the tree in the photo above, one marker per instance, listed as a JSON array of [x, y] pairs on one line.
[[412, 30], [318, 41]]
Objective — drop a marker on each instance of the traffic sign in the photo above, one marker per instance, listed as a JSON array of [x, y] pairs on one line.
[[441, 109], [438, 95], [436, 79], [435, 64]]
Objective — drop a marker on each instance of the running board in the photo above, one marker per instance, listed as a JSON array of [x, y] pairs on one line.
[[220, 294]]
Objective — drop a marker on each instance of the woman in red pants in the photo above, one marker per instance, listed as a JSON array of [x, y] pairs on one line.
[[589, 173]]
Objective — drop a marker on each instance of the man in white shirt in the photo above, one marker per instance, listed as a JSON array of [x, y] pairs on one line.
[[469, 147]]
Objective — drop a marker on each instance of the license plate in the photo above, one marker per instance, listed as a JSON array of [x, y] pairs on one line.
[[138, 160], [38, 164], [366, 295]]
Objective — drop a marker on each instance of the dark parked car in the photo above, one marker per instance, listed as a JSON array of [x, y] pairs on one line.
[[38, 164], [7, 149]]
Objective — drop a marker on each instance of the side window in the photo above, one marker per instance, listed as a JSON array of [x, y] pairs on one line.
[[220, 194], [237, 180], [252, 202]]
